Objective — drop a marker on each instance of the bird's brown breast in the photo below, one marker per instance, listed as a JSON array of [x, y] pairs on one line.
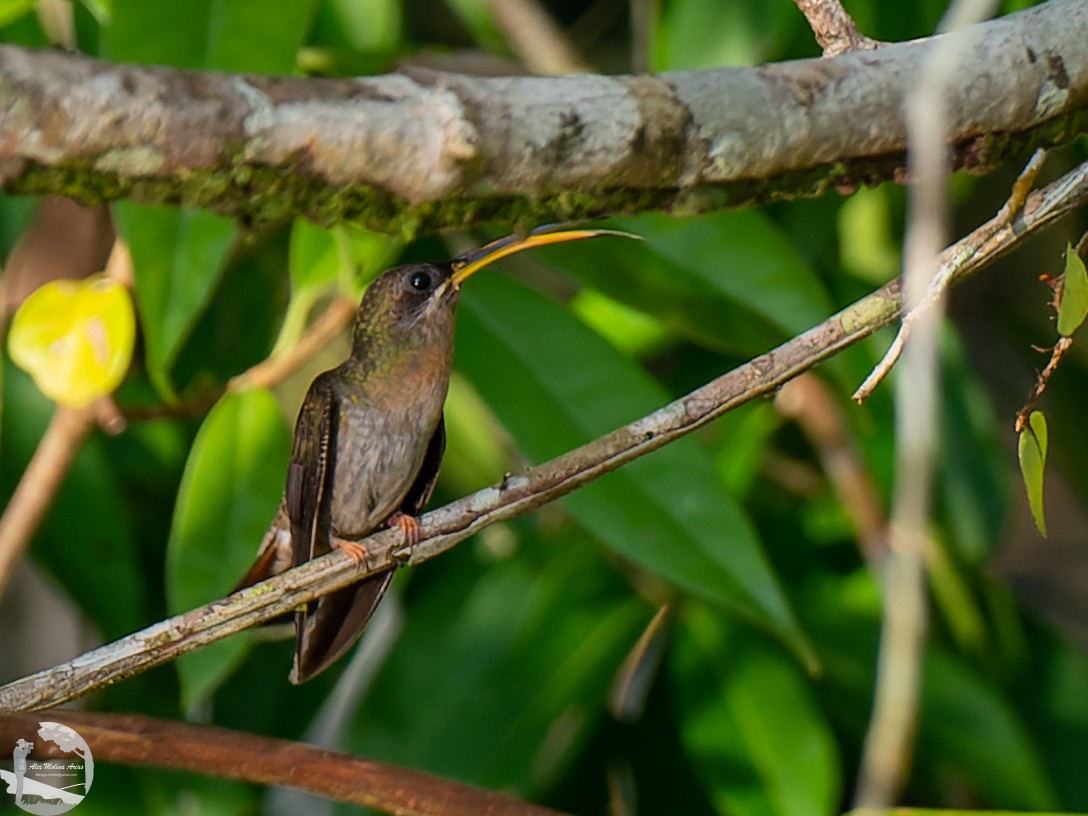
[[381, 439]]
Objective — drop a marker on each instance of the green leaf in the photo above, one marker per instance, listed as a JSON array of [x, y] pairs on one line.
[[241, 322], [12, 10], [731, 281], [239, 35], [1032, 450], [360, 25], [1074, 306], [972, 496], [314, 257], [177, 260], [320, 260], [751, 724], [967, 722], [935, 812], [556, 385], [229, 493], [511, 663]]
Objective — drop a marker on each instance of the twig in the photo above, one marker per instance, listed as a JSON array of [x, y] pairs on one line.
[[275, 369], [887, 754], [265, 374], [40, 482], [1057, 353], [444, 527], [133, 739], [535, 38], [942, 279], [833, 28]]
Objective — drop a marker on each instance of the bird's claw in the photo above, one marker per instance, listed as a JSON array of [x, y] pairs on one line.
[[353, 549], [409, 527]]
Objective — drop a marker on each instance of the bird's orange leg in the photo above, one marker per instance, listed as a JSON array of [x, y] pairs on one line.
[[408, 525], [353, 549]]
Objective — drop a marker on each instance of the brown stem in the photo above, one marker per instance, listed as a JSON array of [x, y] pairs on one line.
[[276, 369], [535, 38], [40, 482], [133, 739]]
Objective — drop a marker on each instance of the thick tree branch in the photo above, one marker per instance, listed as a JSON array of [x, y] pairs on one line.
[[431, 149], [133, 739], [517, 495]]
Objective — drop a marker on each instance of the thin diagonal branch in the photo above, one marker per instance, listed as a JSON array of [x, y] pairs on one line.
[[443, 528], [941, 281], [63, 438]]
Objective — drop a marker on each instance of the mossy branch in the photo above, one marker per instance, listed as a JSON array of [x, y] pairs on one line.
[[424, 149]]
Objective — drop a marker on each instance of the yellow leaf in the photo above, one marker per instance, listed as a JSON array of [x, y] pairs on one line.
[[75, 338]]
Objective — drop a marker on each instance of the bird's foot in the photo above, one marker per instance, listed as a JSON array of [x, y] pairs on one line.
[[353, 549], [409, 527]]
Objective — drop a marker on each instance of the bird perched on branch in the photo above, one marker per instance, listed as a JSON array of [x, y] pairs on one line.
[[369, 440]]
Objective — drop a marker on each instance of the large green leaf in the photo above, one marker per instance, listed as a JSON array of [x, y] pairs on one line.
[[177, 260], [965, 720], [556, 385], [224, 35], [749, 720], [12, 10], [229, 492], [503, 668], [967, 729]]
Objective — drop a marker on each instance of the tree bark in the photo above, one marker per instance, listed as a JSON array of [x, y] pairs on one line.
[[423, 149]]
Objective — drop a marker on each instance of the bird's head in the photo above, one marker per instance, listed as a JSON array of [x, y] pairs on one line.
[[415, 303]]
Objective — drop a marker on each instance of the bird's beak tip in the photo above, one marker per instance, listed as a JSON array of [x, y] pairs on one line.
[[472, 262]]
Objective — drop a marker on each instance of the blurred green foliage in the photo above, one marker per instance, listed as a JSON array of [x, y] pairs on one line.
[[512, 645]]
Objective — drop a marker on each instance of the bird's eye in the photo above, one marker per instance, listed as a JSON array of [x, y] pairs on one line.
[[420, 281]]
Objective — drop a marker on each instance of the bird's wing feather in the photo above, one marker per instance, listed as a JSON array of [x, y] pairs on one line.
[[308, 472], [330, 626]]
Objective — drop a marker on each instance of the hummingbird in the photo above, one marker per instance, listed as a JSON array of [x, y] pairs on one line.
[[369, 440]]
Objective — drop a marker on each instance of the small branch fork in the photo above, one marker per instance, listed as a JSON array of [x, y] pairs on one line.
[[443, 528], [948, 271], [833, 28], [1057, 353]]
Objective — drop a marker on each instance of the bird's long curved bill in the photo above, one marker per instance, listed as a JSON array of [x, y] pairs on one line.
[[471, 262]]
